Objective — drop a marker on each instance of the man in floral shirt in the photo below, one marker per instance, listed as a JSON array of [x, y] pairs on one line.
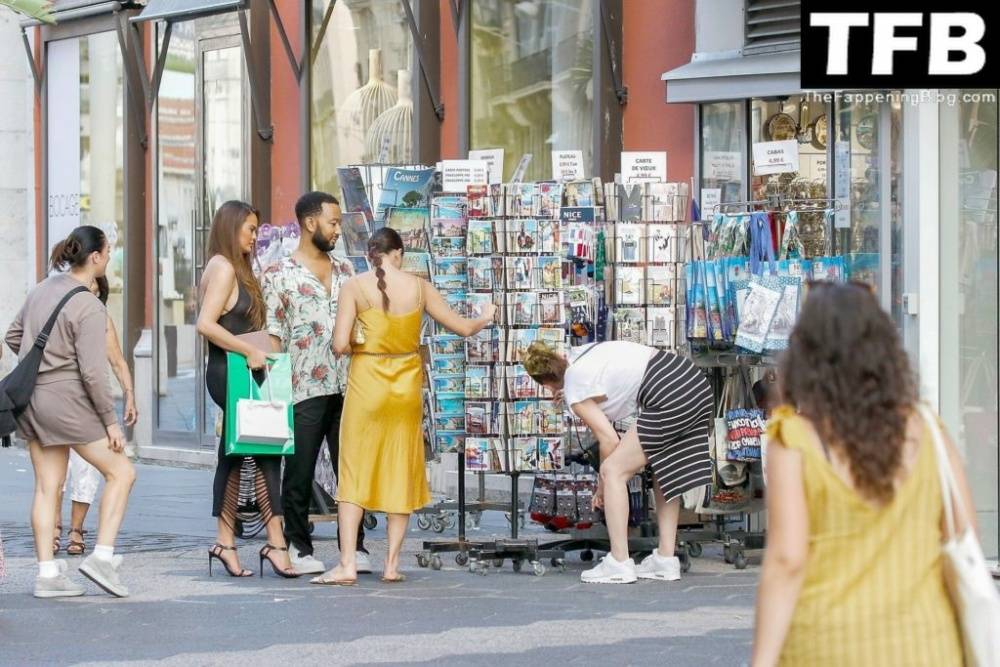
[[301, 293]]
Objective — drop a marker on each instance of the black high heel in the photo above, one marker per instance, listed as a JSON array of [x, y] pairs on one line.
[[215, 553], [265, 555]]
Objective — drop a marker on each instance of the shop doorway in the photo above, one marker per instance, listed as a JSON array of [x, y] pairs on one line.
[[202, 138]]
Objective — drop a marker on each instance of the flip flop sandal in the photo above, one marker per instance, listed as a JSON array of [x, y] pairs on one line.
[[320, 581], [398, 579], [76, 548]]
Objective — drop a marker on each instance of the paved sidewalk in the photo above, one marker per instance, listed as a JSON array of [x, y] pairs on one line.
[[177, 615]]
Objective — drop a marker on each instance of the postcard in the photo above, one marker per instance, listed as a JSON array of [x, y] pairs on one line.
[[448, 247], [480, 237], [661, 244], [411, 223], [551, 454], [525, 418], [661, 325], [478, 382], [521, 308], [548, 236], [477, 302], [661, 285], [477, 454], [551, 307], [448, 385], [526, 453], [550, 268], [549, 199], [579, 193], [628, 285], [446, 442], [628, 243], [446, 345], [483, 348], [480, 273], [354, 228], [520, 384], [449, 422], [630, 324], [405, 188], [478, 417], [478, 201], [417, 263], [518, 343], [520, 272], [360, 264], [355, 198]]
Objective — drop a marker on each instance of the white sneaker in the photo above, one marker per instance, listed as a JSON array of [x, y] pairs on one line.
[[610, 571], [659, 567], [305, 564], [363, 562]]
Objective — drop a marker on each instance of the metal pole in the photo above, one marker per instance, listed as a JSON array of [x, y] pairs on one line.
[[305, 100]]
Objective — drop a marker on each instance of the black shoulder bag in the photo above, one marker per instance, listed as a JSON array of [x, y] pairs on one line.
[[16, 389]]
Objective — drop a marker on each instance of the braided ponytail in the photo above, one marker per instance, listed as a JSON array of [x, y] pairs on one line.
[[382, 243]]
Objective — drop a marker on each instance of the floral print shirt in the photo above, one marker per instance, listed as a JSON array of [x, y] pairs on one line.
[[302, 314]]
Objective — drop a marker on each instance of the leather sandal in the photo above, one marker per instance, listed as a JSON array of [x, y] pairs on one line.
[[76, 548]]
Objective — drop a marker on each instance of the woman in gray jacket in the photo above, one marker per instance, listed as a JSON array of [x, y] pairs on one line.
[[71, 407]]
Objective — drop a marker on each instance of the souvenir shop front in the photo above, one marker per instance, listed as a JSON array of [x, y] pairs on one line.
[[899, 184]]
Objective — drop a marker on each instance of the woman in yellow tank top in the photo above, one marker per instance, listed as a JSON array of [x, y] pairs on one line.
[[381, 432], [852, 574]]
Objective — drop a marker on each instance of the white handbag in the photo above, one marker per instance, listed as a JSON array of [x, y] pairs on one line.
[[261, 422], [973, 593]]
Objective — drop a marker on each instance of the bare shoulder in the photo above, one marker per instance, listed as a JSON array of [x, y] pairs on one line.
[[218, 267]]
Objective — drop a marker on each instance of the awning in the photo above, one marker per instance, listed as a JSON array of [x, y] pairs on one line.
[[185, 10], [730, 78], [70, 10]]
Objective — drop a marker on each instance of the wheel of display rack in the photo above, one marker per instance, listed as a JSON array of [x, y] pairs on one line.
[[422, 560], [516, 564], [740, 562], [694, 549], [423, 523], [436, 562], [586, 555], [370, 522], [537, 568], [461, 559]]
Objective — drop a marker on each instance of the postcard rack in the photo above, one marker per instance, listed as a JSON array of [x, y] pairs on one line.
[[512, 258]]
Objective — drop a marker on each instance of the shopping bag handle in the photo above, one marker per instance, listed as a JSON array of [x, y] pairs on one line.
[[266, 383]]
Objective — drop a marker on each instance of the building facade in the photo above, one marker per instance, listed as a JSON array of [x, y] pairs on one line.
[[150, 114], [912, 175]]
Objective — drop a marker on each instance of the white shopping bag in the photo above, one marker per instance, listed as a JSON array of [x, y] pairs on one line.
[[261, 422]]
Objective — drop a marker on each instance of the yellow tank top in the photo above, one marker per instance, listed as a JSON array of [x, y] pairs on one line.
[[874, 592]]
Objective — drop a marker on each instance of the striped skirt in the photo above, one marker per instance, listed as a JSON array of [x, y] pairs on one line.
[[675, 410]]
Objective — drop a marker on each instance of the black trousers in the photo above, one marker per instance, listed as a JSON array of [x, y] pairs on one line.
[[316, 419]]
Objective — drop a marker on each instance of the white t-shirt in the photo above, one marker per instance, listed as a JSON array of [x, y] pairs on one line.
[[613, 369]]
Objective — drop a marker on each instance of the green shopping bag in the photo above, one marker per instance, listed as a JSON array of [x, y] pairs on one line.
[[241, 384]]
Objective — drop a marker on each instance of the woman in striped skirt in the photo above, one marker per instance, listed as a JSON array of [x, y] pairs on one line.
[[607, 382]]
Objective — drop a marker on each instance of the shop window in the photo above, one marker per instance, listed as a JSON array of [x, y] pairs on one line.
[[85, 124], [968, 295], [533, 80], [362, 100], [806, 122], [723, 152], [868, 158]]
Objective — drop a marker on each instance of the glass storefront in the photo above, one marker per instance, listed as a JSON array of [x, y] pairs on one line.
[[793, 117], [723, 150], [868, 161], [202, 160], [85, 127], [968, 295], [532, 80], [362, 92]]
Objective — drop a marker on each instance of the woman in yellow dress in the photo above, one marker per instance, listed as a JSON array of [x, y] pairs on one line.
[[381, 432], [852, 574]]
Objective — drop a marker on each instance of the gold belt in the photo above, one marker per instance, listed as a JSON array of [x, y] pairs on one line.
[[387, 354]]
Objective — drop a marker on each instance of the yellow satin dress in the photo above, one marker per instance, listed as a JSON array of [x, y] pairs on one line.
[[382, 465]]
